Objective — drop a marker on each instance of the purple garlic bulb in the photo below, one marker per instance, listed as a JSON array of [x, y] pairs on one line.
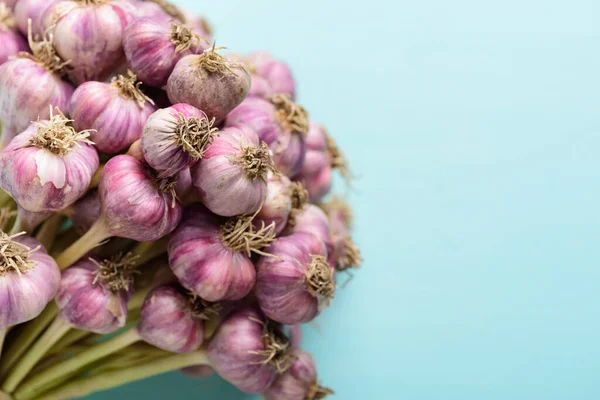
[[278, 203], [311, 219], [249, 351], [93, 294], [299, 382], [153, 48], [29, 279], [346, 253], [185, 187], [173, 320], [136, 204], [28, 85], [285, 199], [12, 41], [211, 256], [10, 3], [259, 87], [277, 73], [114, 112], [175, 138], [280, 123], [319, 184], [33, 10], [90, 35], [231, 178], [295, 282], [48, 166], [209, 82], [322, 157], [157, 10]]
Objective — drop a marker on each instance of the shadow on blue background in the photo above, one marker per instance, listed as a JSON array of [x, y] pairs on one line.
[[475, 129]]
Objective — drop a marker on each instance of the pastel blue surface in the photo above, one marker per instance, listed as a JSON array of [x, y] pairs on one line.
[[475, 129]]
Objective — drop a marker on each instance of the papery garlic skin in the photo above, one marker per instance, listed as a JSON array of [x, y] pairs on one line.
[[133, 204], [185, 186], [316, 173], [25, 294], [151, 10], [32, 9], [42, 180], [272, 125], [175, 138], [167, 321], [314, 221], [153, 48], [260, 87], [282, 287], [277, 73], [316, 148], [260, 115], [88, 303], [346, 253], [10, 3], [299, 382], [90, 34], [278, 203], [237, 351], [26, 90], [11, 41], [288, 154], [231, 178], [117, 119], [202, 262], [318, 184], [214, 90]]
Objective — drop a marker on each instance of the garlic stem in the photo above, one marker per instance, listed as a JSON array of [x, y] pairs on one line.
[[33, 387], [17, 225], [28, 221], [26, 337], [146, 251], [114, 378], [4, 198], [128, 359], [47, 232], [58, 382], [54, 332], [92, 238], [211, 326], [74, 335], [2, 336]]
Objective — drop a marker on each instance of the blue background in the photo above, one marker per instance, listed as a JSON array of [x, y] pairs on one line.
[[474, 127]]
